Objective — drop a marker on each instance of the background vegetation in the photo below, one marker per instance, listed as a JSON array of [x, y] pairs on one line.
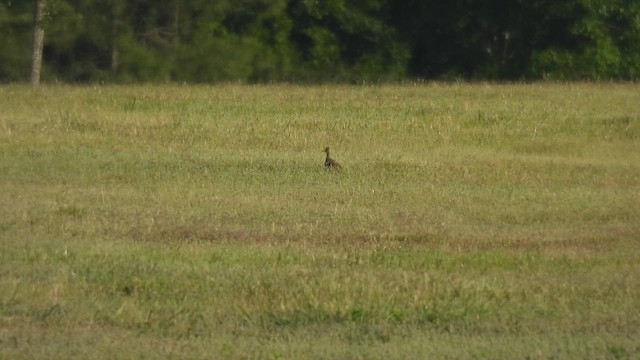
[[328, 40], [470, 221]]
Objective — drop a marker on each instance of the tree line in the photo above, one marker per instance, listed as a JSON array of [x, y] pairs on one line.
[[319, 40]]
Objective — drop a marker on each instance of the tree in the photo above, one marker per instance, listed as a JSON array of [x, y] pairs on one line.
[[347, 40], [38, 41], [318, 40], [605, 42]]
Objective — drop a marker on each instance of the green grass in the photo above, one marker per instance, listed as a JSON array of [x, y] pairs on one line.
[[470, 221]]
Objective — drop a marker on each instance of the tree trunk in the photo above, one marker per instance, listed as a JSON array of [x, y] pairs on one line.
[[116, 11], [115, 57], [38, 41], [175, 25]]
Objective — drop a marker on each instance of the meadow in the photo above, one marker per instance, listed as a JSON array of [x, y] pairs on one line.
[[470, 221]]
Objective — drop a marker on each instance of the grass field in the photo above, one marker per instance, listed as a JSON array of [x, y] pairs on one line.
[[470, 221]]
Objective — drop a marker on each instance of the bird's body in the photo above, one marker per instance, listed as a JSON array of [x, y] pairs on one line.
[[331, 164]]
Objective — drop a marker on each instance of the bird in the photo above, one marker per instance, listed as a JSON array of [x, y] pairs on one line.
[[331, 164]]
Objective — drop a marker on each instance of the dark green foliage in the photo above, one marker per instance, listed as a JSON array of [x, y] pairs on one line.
[[15, 40], [606, 43], [325, 40]]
